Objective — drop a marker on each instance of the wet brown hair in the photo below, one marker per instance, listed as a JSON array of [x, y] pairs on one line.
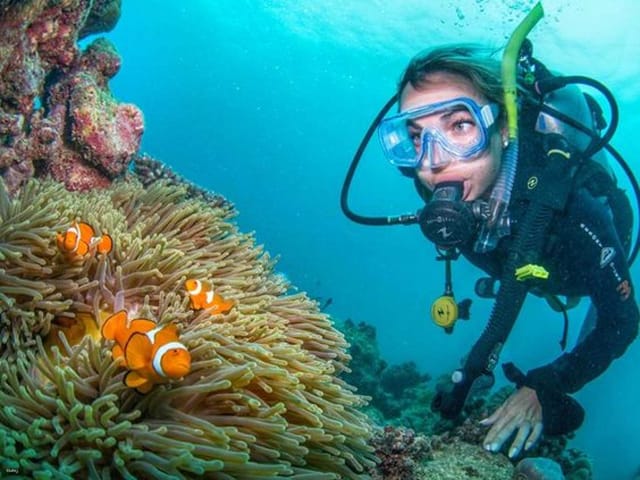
[[473, 62]]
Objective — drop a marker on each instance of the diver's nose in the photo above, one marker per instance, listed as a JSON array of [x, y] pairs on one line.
[[433, 157]]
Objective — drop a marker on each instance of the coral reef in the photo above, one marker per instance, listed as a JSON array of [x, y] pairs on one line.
[[263, 398], [404, 455], [149, 170], [401, 396], [57, 115], [463, 461], [401, 453], [103, 16]]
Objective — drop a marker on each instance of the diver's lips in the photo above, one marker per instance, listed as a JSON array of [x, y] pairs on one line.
[[466, 187]]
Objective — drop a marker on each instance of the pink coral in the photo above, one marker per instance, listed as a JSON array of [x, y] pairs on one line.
[[107, 133], [57, 115]]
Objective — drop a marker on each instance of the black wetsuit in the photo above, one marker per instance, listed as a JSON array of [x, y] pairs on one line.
[[584, 256]]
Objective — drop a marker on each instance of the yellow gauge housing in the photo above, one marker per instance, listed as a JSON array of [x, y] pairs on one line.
[[444, 311]]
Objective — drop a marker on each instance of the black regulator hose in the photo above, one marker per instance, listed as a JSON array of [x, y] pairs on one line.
[[511, 295], [344, 203], [550, 84], [484, 355], [636, 190], [596, 140]]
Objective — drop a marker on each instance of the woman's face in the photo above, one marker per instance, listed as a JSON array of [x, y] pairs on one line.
[[477, 174]]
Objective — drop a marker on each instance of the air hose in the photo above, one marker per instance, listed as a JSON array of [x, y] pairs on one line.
[[529, 239], [528, 243], [501, 193], [512, 292]]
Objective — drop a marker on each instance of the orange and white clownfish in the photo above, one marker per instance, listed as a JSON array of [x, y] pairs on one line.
[[202, 295], [74, 329], [80, 238], [153, 354]]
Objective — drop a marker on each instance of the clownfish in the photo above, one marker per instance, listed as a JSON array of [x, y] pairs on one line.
[[152, 354], [202, 296], [80, 238], [74, 329]]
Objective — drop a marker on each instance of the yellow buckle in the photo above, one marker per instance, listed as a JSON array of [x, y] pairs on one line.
[[527, 272]]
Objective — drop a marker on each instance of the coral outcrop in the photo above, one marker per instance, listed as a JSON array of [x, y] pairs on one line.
[[464, 461], [405, 454], [264, 397], [401, 452], [57, 116], [416, 443], [400, 394]]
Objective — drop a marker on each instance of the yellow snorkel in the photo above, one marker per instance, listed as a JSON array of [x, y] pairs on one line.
[[509, 63], [496, 226]]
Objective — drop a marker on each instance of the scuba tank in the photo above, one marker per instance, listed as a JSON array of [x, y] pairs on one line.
[[574, 105]]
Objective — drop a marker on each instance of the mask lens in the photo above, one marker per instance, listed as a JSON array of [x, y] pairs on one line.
[[437, 133], [398, 143], [434, 153]]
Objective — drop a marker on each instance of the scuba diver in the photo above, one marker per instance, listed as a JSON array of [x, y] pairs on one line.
[[513, 183]]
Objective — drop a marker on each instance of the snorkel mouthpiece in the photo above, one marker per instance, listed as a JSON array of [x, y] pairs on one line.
[[447, 220]]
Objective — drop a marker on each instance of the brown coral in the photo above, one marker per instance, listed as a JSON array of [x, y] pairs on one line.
[[400, 452], [263, 398]]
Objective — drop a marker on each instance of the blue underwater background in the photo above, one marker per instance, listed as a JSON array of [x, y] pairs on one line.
[[266, 101]]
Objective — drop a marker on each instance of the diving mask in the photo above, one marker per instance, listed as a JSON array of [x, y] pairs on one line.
[[438, 133]]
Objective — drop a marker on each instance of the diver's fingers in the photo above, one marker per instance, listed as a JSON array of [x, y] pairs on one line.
[[492, 419], [509, 419], [498, 434], [535, 435], [523, 433]]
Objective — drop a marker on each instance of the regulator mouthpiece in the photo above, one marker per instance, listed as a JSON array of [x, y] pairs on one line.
[[447, 220]]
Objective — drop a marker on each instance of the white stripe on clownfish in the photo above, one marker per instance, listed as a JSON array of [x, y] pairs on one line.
[[210, 294], [75, 229], [151, 334], [94, 241], [197, 289], [157, 358]]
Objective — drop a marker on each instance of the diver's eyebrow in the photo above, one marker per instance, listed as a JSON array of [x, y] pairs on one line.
[[454, 109], [442, 114]]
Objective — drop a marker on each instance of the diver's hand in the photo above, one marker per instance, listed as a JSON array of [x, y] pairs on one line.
[[522, 412]]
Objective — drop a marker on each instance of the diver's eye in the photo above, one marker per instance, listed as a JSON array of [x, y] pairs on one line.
[[463, 126], [415, 135]]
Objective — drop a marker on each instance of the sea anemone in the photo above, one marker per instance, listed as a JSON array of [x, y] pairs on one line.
[[264, 397]]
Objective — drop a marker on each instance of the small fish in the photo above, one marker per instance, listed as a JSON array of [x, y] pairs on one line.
[[118, 328], [203, 296], [326, 304], [74, 329], [152, 354], [80, 238]]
